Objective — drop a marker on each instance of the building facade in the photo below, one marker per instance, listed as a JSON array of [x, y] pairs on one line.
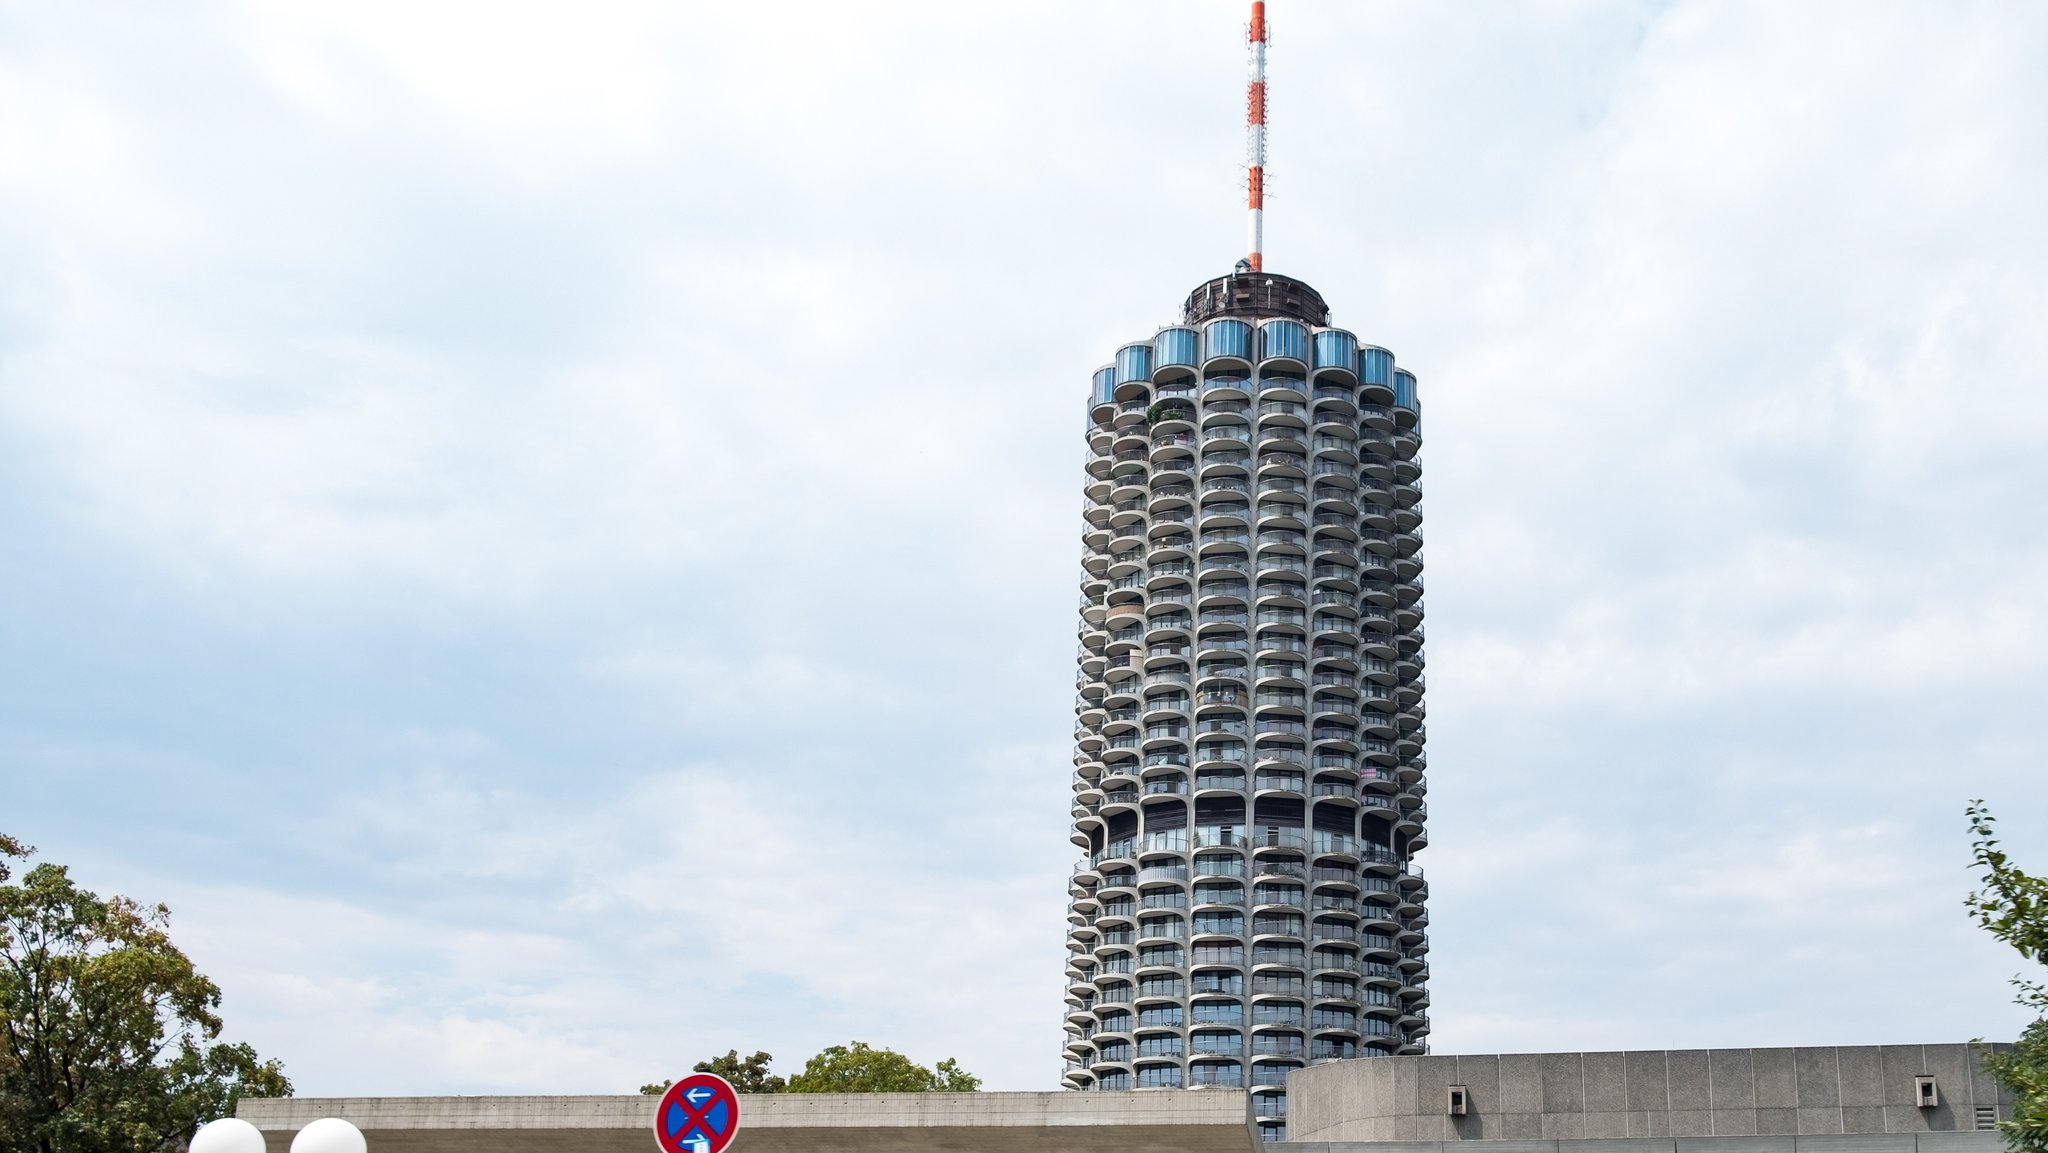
[[1249, 789], [1860, 1099]]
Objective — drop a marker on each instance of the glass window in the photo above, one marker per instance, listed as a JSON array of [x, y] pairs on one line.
[[1160, 986], [1104, 389], [1134, 364], [1160, 1016], [1175, 346], [1376, 366], [1283, 338], [1167, 1046], [1336, 348], [1159, 1077]]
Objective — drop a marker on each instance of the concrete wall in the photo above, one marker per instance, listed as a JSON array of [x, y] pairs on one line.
[[1649, 1094], [1190, 1121], [1974, 1142]]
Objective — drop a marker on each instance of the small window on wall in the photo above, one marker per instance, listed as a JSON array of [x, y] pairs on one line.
[[1272, 1131]]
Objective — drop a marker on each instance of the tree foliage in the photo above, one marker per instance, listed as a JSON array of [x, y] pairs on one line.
[[108, 1035], [747, 1074], [2013, 906], [851, 1068], [859, 1068]]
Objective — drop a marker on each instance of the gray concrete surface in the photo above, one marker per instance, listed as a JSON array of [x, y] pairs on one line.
[[1970, 1142], [1546, 1098], [1189, 1121]]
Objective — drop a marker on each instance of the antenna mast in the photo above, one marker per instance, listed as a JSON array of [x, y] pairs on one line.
[[1255, 142]]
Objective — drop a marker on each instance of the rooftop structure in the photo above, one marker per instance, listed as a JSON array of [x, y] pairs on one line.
[[1254, 295]]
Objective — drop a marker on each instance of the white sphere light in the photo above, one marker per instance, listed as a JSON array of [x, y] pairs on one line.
[[330, 1135], [227, 1135]]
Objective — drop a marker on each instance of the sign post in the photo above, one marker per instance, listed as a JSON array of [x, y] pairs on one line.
[[698, 1114]]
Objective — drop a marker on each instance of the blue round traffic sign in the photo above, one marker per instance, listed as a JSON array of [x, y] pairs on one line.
[[698, 1114]]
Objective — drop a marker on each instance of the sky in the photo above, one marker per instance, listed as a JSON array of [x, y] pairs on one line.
[[548, 534]]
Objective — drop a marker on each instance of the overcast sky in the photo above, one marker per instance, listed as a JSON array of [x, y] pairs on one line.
[[548, 533]]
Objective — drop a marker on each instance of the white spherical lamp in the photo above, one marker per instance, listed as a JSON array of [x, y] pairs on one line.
[[227, 1135], [330, 1135]]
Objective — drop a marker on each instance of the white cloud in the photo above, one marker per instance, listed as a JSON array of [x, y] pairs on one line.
[[502, 941], [465, 450]]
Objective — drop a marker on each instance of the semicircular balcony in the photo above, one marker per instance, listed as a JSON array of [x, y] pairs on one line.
[[1340, 440], [1282, 382], [1281, 465], [1281, 413], [1174, 468], [1226, 382], [1333, 418]]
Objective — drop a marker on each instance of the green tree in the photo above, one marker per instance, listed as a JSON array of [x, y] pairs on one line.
[[108, 1035], [859, 1068], [747, 1074], [2013, 906], [953, 1079]]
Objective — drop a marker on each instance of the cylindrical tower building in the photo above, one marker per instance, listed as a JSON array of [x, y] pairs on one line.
[[1249, 784]]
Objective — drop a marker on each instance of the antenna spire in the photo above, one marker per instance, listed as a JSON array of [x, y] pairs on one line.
[[1255, 143]]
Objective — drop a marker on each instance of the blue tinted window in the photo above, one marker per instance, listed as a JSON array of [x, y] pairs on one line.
[[1283, 338], [1227, 338], [1404, 390], [1134, 363], [1175, 346], [1336, 349], [1376, 366]]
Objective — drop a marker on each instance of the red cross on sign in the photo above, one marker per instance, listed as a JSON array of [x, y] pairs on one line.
[[698, 1114]]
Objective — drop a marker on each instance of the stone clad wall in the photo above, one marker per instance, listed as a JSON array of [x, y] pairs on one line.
[[1656, 1093]]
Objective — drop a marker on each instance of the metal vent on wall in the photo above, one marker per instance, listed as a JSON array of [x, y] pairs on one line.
[[1987, 1116]]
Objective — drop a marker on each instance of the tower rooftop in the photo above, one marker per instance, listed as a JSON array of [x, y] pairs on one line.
[[1256, 295]]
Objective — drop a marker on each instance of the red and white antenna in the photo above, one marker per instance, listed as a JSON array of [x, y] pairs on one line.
[[1255, 141]]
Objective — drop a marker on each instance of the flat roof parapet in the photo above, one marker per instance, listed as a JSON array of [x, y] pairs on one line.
[[1140, 1121], [1809, 1099]]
